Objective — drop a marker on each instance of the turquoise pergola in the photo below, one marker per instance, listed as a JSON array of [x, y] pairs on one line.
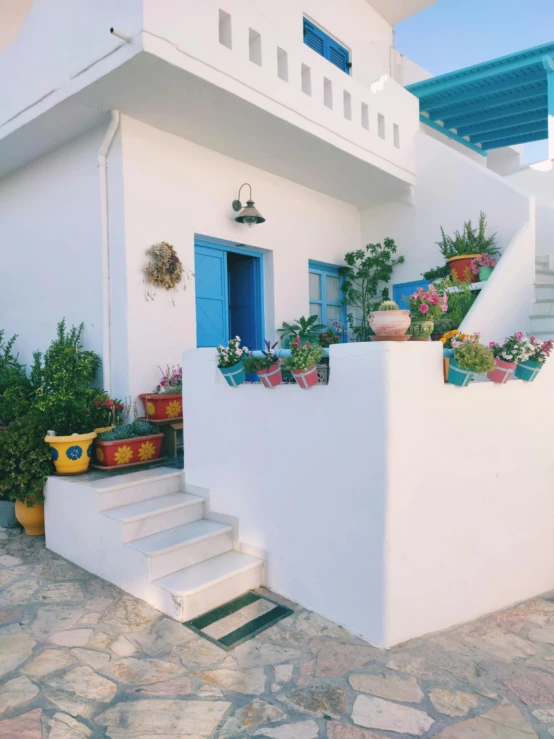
[[503, 102]]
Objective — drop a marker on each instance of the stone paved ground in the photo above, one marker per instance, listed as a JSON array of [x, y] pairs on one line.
[[80, 658]]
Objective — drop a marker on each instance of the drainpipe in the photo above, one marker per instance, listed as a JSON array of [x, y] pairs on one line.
[[105, 244]]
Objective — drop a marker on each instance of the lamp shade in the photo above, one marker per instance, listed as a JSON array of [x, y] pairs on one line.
[[249, 215]]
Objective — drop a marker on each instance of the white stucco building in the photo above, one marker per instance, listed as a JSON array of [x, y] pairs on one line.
[[113, 142]]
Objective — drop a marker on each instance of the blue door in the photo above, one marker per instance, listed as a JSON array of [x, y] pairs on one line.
[[241, 271], [212, 312]]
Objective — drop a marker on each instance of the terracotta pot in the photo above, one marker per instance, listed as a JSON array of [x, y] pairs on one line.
[[306, 379], [503, 371], [460, 267], [32, 519], [271, 377], [162, 407], [128, 451], [390, 322]]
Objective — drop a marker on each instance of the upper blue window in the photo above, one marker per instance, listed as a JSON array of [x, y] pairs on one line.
[[321, 42], [325, 293]]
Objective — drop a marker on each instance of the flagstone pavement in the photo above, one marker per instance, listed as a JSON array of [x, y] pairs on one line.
[[80, 658]]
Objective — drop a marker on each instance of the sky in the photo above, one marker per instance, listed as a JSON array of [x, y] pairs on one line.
[[452, 34]]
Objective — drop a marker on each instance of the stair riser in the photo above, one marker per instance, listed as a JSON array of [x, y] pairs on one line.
[[544, 292], [544, 324], [162, 521], [543, 309], [542, 262], [541, 278], [190, 554], [138, 492], [220, 593]]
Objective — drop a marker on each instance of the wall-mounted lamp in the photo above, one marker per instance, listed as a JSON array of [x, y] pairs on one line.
[[248, 215]]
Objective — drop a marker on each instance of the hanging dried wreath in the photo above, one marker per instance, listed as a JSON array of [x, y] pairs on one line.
[[165, 270]]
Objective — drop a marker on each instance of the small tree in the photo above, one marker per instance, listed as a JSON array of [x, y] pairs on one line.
[[365, 270]]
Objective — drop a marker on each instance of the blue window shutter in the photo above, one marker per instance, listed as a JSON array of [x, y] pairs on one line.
[[323, 44], [212, 310], [339, 56], [314, 38]]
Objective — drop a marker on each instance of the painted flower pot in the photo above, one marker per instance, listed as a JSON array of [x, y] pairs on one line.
[[234, 375], [162, 407], [71, 454], [527, 370], [32, 519], [485, 273], [503, 371], [420, 330], [7, 515], [447, 355], [128, 451], [460, 267], [458, 376], [306, 379], [389, 322], [271, 377]]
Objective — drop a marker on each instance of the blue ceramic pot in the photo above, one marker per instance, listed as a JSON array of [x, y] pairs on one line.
[[7, 514], [234, 375], [457, 376], [527, 370]]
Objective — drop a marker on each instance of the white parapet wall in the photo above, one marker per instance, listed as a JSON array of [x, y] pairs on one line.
[[387, 500]]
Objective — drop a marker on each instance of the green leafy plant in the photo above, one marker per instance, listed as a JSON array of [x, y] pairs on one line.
[[474, 357], [129, 431], [460, 300], [437, 273], [25, 460], [470, 241], [254, 364], [326, 338], [15, 387], [305, 328], [105, 411], [302, 357], [365, 271]]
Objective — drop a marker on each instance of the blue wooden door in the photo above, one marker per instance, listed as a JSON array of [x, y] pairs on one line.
[[242, 298], [212, 304]]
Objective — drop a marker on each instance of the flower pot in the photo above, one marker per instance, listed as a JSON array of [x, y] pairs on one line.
[[71, 454], [103, 429], [527, 371], [457, 376], [128, 451], [460, 267], [162, 407], [503, 371], [306, 379], [234, 375], [485, 273], [447, 355], [271, 377], [7, 514], [32, 519], [389, 322], [420, 330]]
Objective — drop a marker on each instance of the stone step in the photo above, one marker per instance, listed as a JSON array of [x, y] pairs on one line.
[[544, 261], [542, 325], [157, 514], [543, 307], [544, 292], [120, 490], [183, 546], [212, 583], [544, 277]]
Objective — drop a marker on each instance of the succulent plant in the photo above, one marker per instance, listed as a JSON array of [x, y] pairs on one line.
[[129, 431], [388, 305]]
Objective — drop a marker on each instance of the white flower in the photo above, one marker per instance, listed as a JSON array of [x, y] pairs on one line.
[[237, 338]]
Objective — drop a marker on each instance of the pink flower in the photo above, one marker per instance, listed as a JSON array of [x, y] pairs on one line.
[[424, 308], [444, 307], [532, 338], [434, 299], [519, 336]]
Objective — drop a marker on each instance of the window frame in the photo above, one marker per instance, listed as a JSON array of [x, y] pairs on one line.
[[328, 43], [324, 270]]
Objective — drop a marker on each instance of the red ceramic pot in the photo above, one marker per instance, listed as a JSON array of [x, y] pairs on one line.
[[503, 371], [306, 379], [460, 267], [128, 451], [271, 377], [162, 407]]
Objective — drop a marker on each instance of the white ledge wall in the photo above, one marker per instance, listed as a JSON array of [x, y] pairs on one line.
[[387, 500]]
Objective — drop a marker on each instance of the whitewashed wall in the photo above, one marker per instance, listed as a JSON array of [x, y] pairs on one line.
[[538, 180], [392, 502], [50, 246], [450, 189], [174, 189]]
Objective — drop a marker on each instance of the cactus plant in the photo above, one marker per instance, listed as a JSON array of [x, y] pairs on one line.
[[388, 305]]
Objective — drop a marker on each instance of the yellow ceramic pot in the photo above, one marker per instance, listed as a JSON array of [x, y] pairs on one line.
[[103, 429], [71, 454], [32, 519]]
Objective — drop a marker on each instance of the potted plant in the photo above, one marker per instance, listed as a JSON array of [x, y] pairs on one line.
[[327, 338], [267, 367], [305, 329], [302, 363], [25, 464], [471, 358], [506, 356], [166, 403], [482, 266], [15, 387], [389, 321], [230, 361], [453, 340], [129, 445], [69, 437], [461, 249], [105, 412], [537, 353], [426, 306]]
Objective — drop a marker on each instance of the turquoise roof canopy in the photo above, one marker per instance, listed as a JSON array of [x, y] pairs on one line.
[[499, 103]]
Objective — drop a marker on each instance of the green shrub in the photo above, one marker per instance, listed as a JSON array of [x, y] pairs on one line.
[[25, 459], [15, 386], [474, 357], [437, 273], [469, 241]]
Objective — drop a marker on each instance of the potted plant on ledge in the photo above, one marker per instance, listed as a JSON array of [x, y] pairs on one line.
[[302, 363], [305, 329], [167, 402], [267, 367], [471, 358], [129, 445], [389, 323], [537, 352], [506, 356], [231, 361], [483, 266], [461, 249], [426, 307]]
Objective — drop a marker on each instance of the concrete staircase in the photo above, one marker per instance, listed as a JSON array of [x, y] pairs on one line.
[[154, 537], [542, 318]]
